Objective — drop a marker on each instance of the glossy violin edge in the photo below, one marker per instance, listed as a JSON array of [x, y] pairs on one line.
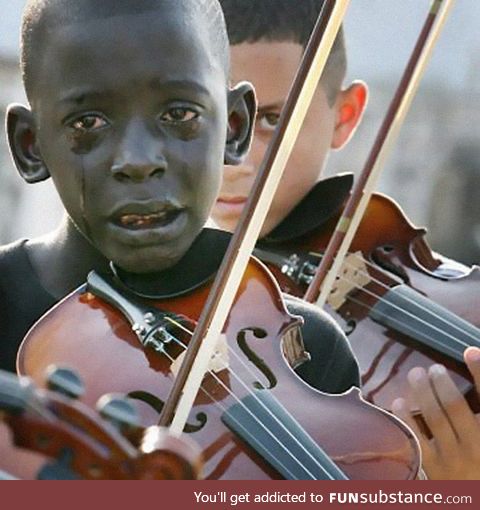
[[254, 359]]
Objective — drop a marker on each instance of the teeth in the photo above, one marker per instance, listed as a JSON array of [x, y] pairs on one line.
[[137, 220]]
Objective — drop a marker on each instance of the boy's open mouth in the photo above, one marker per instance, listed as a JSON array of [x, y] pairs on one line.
[[139, 221], [146, 216]]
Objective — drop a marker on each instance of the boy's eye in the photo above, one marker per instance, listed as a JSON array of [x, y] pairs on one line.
[[179, 114], [88, 123], [268, 121]]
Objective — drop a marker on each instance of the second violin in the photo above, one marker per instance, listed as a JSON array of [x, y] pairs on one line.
[[400, 304]]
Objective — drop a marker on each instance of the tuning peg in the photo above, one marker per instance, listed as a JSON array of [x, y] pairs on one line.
[[118, 410], [65, 381]]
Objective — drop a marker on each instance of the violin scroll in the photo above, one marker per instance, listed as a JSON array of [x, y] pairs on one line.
[[78, 443]]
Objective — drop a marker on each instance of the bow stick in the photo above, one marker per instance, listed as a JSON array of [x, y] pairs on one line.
[[348, 223], [227, 281]]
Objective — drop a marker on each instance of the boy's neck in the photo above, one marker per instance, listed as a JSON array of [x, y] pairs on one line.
[[63, 258]]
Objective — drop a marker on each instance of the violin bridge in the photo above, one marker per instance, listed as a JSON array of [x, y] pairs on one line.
[[218, 362], [352, 275]]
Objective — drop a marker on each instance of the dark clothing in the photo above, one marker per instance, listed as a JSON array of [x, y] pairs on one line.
[[23, 301], [319, 205]]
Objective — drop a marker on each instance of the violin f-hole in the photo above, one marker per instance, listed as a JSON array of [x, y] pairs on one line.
[[254, 358], [157, 404]]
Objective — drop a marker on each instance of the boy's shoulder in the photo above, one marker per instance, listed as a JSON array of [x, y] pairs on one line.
[[13, 261], [17, 273], [22, 297], [15, 266]]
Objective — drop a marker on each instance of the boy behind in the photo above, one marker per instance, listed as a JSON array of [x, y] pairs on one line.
[[267, 39]]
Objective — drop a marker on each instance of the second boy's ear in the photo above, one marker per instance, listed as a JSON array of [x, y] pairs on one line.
[[242, 108], [350, 105], [23, 144]]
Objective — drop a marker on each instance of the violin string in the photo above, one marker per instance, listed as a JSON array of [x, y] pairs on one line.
[[249, 391], [412, 301], [406, 325], [223, 408], [262, 404], [239, 401], [423, 309], [406, 299]]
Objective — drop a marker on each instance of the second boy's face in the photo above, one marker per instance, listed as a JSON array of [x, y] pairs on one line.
[[131, 117], [271, 67]]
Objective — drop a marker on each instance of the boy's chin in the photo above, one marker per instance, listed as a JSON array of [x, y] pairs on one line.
[[143, 258], [154, 261]]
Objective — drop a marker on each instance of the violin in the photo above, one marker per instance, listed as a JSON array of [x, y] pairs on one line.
[[51, 436], [217, 362], [401, 304], [253, 417]]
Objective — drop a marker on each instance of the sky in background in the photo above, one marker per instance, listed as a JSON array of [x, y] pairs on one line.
[[380, 35]]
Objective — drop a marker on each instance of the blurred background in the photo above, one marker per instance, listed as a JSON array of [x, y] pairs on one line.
[[434, 171]]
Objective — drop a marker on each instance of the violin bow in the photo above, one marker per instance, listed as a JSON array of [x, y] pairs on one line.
[[332, 260], [229, 276]]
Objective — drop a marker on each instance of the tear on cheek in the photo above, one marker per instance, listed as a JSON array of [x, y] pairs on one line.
[[190, 131], [83, 206], [81, 143]]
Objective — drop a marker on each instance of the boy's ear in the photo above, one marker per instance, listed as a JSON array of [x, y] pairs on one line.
[[242, 108], [23, 143], [349, 106]]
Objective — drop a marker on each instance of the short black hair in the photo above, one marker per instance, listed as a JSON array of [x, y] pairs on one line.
[[40, 15], [250, 21]]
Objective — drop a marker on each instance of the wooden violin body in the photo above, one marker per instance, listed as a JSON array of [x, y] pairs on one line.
[[390, 328], [253, 417]]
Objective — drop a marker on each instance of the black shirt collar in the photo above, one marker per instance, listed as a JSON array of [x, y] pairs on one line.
[[198, 266], [322, 202]]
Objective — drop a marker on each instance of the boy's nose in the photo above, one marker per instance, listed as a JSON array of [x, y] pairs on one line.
[[139, 155], [138, 170]]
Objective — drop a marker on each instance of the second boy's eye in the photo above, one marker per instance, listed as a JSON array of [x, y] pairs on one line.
[[88, 123], [179, 115], [268, 121]]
